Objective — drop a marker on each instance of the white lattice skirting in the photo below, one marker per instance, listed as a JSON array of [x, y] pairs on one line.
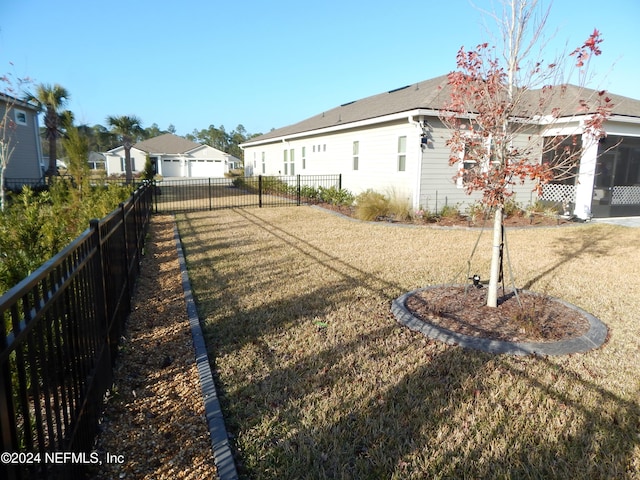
[[557, 192], [625, 195]]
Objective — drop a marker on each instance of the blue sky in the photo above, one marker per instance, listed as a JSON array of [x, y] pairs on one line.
[[267, 64]]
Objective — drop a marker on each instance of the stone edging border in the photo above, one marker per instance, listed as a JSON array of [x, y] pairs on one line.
[[222, 455], [594, 338]]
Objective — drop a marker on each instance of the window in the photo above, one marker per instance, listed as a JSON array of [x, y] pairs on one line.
[[292, 170], [264, 167], [20, 116], [304, 158], [286, 162], [356, 154], [562, 154], [402, 154]]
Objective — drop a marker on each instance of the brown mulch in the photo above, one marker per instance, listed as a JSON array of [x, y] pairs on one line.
[[529, 317], [154, 415], [513, 221]]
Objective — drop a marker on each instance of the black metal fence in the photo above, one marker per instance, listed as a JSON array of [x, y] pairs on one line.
[[59, 339], [178, 195]]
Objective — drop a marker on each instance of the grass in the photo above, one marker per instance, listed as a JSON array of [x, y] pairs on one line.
[[318, 381]]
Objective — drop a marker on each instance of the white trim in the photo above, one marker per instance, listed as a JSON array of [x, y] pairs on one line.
[[586, 177], [16, 113]]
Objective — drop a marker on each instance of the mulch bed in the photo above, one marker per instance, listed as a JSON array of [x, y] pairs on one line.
[[528, 317], [517, 221], [154, 416]]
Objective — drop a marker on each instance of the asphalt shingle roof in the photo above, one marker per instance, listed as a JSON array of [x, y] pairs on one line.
[[433, 95], [167, 143]]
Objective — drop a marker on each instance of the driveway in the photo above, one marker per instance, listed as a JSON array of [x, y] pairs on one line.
[[623, 221]]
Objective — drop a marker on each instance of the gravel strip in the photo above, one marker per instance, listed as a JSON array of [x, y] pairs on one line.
[[155, 416]]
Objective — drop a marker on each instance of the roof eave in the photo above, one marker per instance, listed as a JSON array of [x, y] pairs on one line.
[[344, 126]]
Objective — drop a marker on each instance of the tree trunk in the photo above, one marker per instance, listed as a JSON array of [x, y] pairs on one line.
[[128, 171], [2, 195], [496, 260], [51, 125]]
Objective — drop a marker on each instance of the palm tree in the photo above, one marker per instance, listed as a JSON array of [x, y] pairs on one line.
[[50, 99], [127, 128]]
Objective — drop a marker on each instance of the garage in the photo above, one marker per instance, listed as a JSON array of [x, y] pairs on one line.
[[205, 168], [171, 167]]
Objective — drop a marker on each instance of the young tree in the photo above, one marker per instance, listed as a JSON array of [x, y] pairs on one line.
[[128, 128], [76, 145], [50, 99], [495, 109]]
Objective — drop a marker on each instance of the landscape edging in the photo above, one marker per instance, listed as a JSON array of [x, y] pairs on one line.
[[223, 457], [594, 338]]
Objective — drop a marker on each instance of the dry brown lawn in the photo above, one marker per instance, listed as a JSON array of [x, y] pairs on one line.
[[319, 381]]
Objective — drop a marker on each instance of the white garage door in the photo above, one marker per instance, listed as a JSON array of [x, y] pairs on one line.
[[205, 168], [171, 168]]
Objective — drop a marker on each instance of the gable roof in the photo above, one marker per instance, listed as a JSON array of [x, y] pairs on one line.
[[167, 143], [432, 95], [7, 99]]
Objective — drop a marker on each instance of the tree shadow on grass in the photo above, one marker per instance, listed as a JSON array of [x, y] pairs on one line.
[[434, 423], [576, 244]]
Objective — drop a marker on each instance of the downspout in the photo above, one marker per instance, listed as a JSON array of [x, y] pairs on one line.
[[418, 179]]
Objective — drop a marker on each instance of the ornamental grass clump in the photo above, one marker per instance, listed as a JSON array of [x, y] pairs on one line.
[[399, 207], [371, 205]]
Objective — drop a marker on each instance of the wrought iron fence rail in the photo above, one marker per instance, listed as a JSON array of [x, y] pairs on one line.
[[58, 340], [181, 195]]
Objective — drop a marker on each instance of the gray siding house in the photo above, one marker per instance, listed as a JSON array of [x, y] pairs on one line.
[[395, 142], [25, 164]]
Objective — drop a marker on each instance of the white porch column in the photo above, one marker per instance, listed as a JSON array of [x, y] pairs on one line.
[[586, 177]]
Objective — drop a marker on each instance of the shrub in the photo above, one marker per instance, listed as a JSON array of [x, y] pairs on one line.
[[511, 208], [477, 211], [336, 196], [274, 185], [542, 208], [37, 225], [399, 207], [311, 194], [238, 182], [371, 205], [449, 211]]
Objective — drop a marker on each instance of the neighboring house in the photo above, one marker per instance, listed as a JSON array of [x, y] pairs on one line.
[[171, 156], [25, 164], [97, 161], [395, 143]]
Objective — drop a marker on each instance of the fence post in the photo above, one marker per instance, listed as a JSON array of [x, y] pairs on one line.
[[339, 181], [298, 190], [260, 191], [210, 195], [102, 311], [9, 439]]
